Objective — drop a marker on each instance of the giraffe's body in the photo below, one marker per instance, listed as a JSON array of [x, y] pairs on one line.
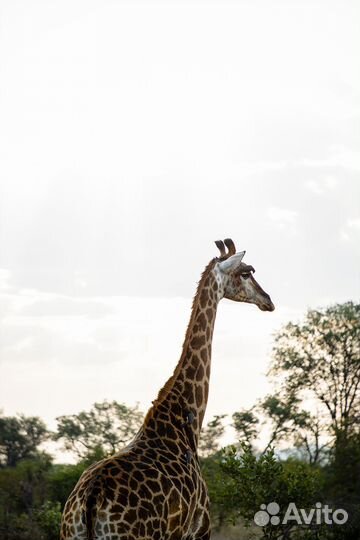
[[153, 488]]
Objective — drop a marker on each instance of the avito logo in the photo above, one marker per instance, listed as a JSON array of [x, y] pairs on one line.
[[268, 514]]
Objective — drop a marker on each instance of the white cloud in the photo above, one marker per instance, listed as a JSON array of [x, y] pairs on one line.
[[351, 230], [347, 158], [339, 156], [63, 306], [283, 219], [282, 215], [331, 182], [354, 223], [314, 187], [5, 276], [322, 185]]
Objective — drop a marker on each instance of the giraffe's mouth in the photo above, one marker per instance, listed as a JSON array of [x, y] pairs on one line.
[[266, 305]]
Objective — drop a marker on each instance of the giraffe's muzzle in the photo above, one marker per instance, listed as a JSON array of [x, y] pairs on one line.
[[267, 304]]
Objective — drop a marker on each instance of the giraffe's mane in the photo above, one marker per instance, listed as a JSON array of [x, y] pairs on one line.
[[164, 391]]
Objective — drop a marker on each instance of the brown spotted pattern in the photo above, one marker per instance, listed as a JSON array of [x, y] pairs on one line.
[[153, 488]]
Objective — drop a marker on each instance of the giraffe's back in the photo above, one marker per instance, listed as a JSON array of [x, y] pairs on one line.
[[134, 496]]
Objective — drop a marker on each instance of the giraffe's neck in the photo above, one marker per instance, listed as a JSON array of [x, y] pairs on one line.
[[186, 392]]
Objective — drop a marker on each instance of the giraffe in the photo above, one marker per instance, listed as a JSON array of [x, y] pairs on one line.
[[153, 489]]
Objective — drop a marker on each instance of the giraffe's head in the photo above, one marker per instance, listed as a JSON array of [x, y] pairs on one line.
[[238, 282]]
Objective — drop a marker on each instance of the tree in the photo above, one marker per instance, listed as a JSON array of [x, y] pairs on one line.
[[286, 423], [20, 437], [321, 357], [48, 519], [99, 432], [210, 435], [297, 426], [62, 479], [23, 491], [219, 489], [246, 425], [257, 481]]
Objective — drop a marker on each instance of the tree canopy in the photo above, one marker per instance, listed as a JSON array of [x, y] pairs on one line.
[[321, 356], [20, 437], [211, 434], [99, 432]]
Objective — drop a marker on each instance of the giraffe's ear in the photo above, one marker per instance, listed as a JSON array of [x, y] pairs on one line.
[[232, 262]]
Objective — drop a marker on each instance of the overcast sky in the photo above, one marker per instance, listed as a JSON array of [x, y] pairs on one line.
[[133, 135]]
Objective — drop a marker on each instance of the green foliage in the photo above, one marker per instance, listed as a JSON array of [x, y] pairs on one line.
[[292, 424], [210, 435], [344, 468], [99, 432], [257, 480], [23, 490], [32, 495], [342, 484], [23, 485], [320, 358], [20, 437], [62, 480], [245, 424], [220, 488], [48, 517], [321, 355]]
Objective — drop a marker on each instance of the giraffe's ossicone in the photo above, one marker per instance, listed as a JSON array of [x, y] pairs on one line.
[[153, 488]]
